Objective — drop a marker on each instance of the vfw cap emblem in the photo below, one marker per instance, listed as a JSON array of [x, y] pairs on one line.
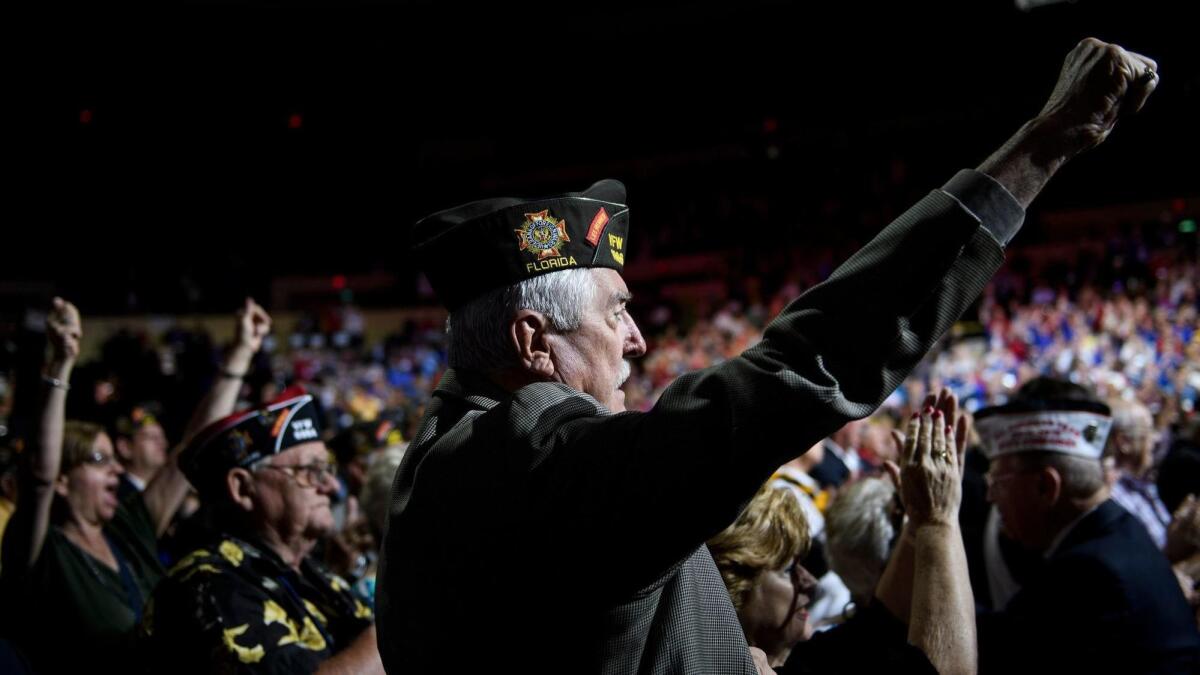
[[543, 234]]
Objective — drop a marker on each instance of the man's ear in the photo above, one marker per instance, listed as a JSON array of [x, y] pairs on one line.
[[240, 485], [529, 332], [1049, 485]]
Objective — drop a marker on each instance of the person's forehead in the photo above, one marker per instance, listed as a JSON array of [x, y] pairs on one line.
[[102, 442], [1005, 463], [149, 428], [611, 286]]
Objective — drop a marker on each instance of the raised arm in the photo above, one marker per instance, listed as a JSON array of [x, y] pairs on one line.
[[166, 492], [30, 522]]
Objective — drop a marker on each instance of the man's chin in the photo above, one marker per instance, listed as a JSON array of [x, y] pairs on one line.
[[617, 402], [320, 525]]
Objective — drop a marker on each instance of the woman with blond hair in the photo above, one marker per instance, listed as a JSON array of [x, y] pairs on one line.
[[922, 616], [759, 559]]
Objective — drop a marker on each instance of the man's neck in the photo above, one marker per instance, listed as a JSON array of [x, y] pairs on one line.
[[1063, 519], [139, 479], [1133, 470], [511, 379], [291, 551]]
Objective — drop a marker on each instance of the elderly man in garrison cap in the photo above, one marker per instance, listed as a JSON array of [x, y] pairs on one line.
[[1104, 598], [537, 525], [253, 600]]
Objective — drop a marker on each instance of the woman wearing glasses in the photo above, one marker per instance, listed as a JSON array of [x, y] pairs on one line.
[[78, 563]]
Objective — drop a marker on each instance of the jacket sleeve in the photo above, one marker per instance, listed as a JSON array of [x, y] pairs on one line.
[[662, 482]]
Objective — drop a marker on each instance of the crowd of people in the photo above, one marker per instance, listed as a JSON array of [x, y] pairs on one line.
[[1024, 498], [1134, 344], [1134, 339], [852, 517]]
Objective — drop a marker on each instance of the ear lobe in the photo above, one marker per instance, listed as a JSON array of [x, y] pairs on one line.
[[61, 487], [529, 332], [240, 486], [1050, 485]]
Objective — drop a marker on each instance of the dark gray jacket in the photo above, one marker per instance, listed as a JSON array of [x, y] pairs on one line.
[[534, 531]]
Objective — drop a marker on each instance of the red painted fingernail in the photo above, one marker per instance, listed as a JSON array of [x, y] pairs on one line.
[[916, 415], [928, 409], [937, 414], [949, 428]]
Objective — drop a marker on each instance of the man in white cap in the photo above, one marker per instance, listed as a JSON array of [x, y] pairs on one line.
[[1104, 598]]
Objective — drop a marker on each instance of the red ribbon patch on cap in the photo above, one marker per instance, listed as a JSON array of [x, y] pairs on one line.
[[597, 226], [279, 423]]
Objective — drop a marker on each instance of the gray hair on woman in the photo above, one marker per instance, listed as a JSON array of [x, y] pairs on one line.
[[377, 490], [859, 532]]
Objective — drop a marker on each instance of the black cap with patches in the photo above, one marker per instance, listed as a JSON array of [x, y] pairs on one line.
[[130, 418], [474, 248], [246, 437]]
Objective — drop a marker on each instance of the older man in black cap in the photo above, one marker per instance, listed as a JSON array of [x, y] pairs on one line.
[[1104, 598], [253, 600], [537, 526]]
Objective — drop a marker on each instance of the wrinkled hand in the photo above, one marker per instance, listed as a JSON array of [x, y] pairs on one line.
[[1183, 534], [65, 330], [929, 478], [253, 324], [1187, 572], [1098, 84]]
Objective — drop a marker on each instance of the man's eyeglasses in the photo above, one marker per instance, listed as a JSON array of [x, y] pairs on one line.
[[305, 475]]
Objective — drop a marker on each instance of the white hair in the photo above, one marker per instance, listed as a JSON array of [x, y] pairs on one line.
[[479, 334], [1132, 438], [377, 488], [1081, 477], [859, 534]]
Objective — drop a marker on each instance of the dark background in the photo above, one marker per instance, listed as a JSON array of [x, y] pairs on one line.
[[175, 160]]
